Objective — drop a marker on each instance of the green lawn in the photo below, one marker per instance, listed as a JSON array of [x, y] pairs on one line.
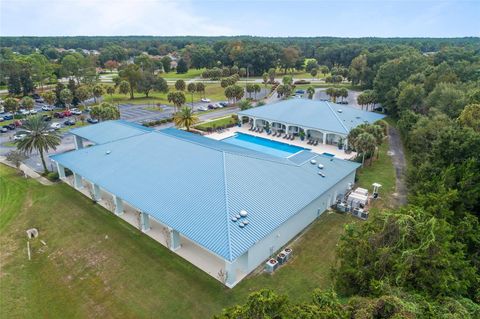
[[212, 91], [96, 265], [381, 171], [192, 73]]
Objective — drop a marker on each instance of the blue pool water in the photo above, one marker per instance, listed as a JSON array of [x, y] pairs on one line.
[[263, 145]]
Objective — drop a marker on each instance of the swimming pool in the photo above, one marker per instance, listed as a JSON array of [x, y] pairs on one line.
[[263, 145]]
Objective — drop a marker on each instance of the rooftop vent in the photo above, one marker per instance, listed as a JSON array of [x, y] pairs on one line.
[[339, 110], [243, 213], [245, 222], [241, 225], [320, 166], [313, 162], [238, 216], [234, 219], [321, 174], [108, 152]]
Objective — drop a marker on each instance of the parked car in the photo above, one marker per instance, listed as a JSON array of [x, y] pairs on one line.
[[18, 137], [58, 115], [211, 107], [7, 117], [56, 126], [76, 111], [46, 118], [224, 104], [47, 108], [202, 108], [32, 111], [205, 100], [10, 126], [67, 113], [69, 122], [17, 123], [92, 121], [23, 112], [1, 119], [3, 129]]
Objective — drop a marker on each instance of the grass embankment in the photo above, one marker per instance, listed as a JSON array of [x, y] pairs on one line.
[[221, 122], [96, 265]]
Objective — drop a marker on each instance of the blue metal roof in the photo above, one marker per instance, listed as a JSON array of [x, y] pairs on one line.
[[195, 184], [109, 131], [320, 115]]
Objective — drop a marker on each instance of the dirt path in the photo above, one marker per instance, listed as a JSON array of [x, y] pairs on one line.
[[398, 158]]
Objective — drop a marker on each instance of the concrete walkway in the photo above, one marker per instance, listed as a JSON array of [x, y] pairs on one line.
[[400, 164], [27, 171]]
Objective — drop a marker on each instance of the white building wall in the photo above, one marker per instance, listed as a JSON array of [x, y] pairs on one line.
[[262, 250]]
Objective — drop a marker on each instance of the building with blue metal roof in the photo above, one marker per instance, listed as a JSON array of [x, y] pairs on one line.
[[199, 189], [322, 120]]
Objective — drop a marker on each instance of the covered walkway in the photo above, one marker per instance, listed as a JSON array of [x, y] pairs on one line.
[[182, 246]]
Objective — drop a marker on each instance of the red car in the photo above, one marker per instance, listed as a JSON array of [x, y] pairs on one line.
[[17, 123], [67, 113]]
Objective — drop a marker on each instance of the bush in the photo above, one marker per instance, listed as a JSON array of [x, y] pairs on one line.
[[301, 82], [53, 176]]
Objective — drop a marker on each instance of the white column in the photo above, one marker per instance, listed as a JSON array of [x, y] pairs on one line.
[[231, 271], [345, 146], [174, 239], [324, 138], [144, 222], [118, 205], [61, 171], [97, 195], [77, 181], [78, 142]]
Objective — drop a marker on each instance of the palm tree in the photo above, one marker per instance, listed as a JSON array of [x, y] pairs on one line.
[[38, 137], [364, 143], [310, 92], [177, 98], [191, 88], [185, 118]]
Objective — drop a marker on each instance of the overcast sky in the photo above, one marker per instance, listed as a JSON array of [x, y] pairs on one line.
[[354, 18]]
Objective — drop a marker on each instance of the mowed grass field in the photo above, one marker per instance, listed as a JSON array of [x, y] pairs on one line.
[[96, 265], [213, 91]]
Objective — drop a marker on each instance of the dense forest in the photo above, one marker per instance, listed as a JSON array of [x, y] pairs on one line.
[[418, 261]]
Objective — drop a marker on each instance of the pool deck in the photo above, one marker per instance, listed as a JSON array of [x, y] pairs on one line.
[[319, 149]]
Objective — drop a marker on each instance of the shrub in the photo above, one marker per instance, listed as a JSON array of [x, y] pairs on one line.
[[301, 82], [53, 176]]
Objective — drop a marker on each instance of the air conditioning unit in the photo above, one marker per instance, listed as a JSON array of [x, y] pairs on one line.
[[281, 258], [364, 215], [271, 265], [288, 253]]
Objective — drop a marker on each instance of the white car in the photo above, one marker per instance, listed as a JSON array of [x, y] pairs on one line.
[[32, 111], [23, 112], [202, 108], [76, 111], [56, 126], [19, 137], [205, 100], [47, 108], [218, 105]]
